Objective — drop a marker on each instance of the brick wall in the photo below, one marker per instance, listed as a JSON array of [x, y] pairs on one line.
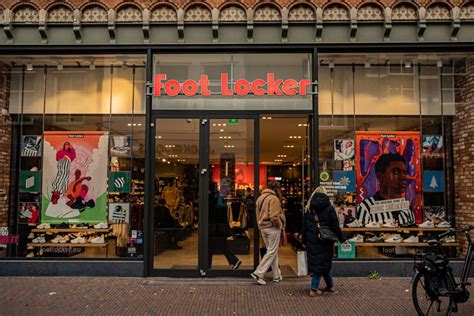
[[463, 140], [5, 144]]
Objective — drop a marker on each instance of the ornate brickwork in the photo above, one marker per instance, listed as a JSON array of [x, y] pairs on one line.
[[232, 13], [404, 12], [467, 12], [164, 13], [267, 13], [370, 12], [198, 13], [94, 14], [26, 14], [336, 12], [60, 14], [301, 12], [129, 14], [438, 11]]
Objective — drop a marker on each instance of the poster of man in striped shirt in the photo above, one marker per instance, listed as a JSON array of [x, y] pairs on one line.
[[388, 177]]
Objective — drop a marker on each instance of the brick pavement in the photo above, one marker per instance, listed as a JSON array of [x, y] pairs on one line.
[[120, 296]]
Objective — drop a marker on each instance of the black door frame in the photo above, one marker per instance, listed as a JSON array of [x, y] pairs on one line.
[[150, 131]]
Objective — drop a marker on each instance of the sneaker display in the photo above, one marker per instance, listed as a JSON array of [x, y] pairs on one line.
[[444, 224], [101, 226], [78, 240], [357, 238], [427, 224], [412, 239], [30, 254], [394, 238], [58, 240], [43, 226], [259, 280], [375, 239], [97, 240], [31, 236], [355, 224], [373, 225], [390, 224]]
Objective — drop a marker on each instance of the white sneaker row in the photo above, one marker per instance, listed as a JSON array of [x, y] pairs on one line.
[[395, 238], [431, 224], [43, 226], [394, 224]]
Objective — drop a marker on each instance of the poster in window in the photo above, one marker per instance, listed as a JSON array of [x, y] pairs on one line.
[[121, 146], [119, 213], [433, 146], [31, 146], [388, 177], [74, 186], [29, 212], [344, 149]]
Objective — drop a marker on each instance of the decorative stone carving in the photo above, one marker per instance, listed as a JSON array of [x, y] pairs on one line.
[[370, 12], [300, 13], [438, 11], [404, 12], [232, 13], [164, 13], [128, 14], [198, 13], [60, 14], [336, 12], [267, 13], [94, 14], [467, 12], [26, 14]]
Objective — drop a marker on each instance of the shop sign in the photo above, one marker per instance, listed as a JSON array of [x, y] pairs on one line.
[[5, 238], [241, 87]]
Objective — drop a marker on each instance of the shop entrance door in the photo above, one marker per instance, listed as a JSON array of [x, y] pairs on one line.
[[204, 176]]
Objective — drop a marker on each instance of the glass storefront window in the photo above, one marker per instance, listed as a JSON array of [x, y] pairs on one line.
[[77, 166]]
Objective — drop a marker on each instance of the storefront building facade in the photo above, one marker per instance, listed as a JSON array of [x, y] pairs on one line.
[[135, 135]]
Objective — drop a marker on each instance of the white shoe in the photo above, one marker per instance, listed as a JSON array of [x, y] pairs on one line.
[[39, 240], [390, 224], [427, 224], [259, 280], [357, 238], [43, 226], [31, 236], [394, 238], [444, 224], [355, 224], [101, 226], [97, 240], [449, 239], [78, 240], [373, 225], [412, 239], [31, 254], [375, 239]]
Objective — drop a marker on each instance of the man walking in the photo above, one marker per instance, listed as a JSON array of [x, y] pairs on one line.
[[271, 220]]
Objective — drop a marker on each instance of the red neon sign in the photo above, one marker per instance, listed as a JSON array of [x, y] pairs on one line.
[[241, 87]]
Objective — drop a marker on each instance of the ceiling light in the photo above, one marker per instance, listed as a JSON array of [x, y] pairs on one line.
[[281, 156], [129, 124], [214, 124], [29, 67], [266, 117], [221, 130], [289, 146], [159, 137], [164, 160], [224, 124], [302, 125]]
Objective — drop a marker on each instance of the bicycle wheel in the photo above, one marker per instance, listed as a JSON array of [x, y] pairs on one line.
[[426, 305]]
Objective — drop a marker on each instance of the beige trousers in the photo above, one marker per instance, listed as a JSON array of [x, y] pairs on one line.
[[271, 238]]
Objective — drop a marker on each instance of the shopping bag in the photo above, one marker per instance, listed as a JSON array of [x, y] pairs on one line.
[[302, 263], [284, 237]]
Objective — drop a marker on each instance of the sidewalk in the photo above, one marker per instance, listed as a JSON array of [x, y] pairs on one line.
[[164, 296]]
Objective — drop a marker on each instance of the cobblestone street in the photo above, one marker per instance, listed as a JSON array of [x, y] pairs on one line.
[[161, 296]]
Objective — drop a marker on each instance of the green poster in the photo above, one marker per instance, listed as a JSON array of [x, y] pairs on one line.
[[119, 181], [346, 250], [30, 181]]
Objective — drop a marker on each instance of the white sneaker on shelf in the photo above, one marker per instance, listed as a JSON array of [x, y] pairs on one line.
[[78, 240], [355, 224], [449, 239], [427, 224], [56, 239], [31, 236], [390, 224], [43, 226], [444, 224], [375, 239], [39, 240], [357, 238], [394, 238], [412, 239], [373, 225], [30, 254], [97, 240], [101, 226]]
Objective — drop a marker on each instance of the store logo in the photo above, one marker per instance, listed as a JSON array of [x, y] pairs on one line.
[[241, 87], [119, 182]]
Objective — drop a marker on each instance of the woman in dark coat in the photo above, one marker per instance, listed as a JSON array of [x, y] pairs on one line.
[[320, 252]]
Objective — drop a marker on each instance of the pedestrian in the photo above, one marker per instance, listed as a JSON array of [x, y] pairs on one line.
[[270, 220], [320, 252]]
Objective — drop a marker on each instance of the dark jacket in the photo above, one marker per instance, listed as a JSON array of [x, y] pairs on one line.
[[163, 218], [320, 253]]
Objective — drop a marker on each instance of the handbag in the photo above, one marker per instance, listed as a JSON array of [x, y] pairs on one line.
[[324, 232], [302, 262]]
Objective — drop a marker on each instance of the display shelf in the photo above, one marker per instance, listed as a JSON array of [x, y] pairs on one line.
[[391, 229], [402, 244], [88, 245], [72, 230]]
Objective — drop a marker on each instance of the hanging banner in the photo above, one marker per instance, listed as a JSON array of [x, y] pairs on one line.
[[388, 170], [74, 177]]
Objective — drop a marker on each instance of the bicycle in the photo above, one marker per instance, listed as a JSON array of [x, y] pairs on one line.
[[434, 282]]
